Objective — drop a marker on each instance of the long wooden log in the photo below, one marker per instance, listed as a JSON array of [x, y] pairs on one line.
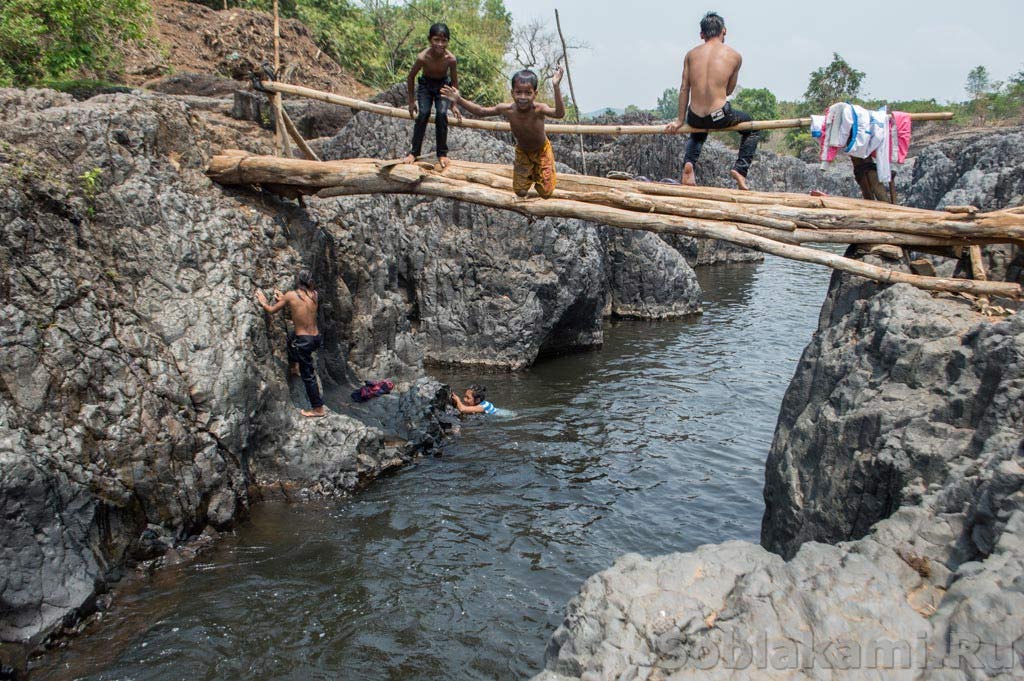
[[909, 226], [554, 128], [364, 178], [815, 212]]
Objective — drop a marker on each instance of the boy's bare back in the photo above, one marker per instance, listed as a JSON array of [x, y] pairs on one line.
[[302, 305], [710, 71]]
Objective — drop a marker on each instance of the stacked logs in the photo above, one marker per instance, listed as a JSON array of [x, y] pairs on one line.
[[777, 224]]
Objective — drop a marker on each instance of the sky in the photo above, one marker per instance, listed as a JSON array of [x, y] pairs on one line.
[[636, 47]]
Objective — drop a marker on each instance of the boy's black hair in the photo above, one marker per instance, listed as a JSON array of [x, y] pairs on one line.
[[526, 77], [304, 279], [441, 30], [479, 392], [712, 25]]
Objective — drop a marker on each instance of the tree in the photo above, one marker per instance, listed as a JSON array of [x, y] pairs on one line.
[[42, 39], [759, 102], [977, 82], [668, 104], [535, 46], [833, 83]]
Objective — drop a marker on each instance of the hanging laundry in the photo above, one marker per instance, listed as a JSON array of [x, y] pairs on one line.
[[852, 130]]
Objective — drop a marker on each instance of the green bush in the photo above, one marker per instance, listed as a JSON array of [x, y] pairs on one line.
[[377, 41], [53, 38]]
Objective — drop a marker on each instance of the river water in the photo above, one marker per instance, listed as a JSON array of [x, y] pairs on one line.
[[460, 566]]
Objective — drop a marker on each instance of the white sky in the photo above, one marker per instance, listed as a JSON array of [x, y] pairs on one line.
[[637, 46]]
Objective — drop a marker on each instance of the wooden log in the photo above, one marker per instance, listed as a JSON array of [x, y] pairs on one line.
[[811, 211], [555, 128], [909, 226], [364, 178], [977, 264]]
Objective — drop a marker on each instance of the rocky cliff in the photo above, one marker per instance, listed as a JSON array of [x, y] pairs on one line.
[[899, 444], [144, 397], [893, 535]]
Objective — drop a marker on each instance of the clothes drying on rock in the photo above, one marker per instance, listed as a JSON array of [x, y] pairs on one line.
[[372, 389]]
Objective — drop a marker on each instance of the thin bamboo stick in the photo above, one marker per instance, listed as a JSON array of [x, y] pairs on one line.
[[299, 142], [572, 90], [554, 129]]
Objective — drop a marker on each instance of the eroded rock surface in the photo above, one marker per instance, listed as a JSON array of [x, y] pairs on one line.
[[142, 392], [901, 439]]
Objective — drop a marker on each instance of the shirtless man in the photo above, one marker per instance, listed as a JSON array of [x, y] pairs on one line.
[[709, 77], [535, 160], [302, 302], [440, 68]]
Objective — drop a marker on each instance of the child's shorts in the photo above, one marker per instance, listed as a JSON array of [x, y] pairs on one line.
[[535, 168]]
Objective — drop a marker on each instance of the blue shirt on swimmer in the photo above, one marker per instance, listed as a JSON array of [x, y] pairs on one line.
[[488, 407]]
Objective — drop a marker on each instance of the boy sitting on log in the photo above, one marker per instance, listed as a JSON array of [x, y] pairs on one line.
[[535, 161]]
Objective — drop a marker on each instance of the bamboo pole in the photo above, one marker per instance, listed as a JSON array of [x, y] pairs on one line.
[[280, 136], [299, 142], [572, 90], [341, 178], [554, 129]]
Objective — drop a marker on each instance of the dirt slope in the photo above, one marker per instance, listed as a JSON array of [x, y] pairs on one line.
[[191, 38]]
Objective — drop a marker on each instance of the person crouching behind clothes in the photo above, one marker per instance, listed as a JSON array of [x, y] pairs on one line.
[[535, 160], [473, 401], [302, 303]]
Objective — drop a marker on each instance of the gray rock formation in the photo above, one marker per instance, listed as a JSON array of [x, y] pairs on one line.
[[141, 391], [982, 170], [900, 438], [144, 397]]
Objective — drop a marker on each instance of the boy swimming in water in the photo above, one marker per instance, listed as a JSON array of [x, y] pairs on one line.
[[474, 402]]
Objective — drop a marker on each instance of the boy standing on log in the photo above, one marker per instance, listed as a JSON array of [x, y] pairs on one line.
[[709, 77], [436, 62], [535, 160]]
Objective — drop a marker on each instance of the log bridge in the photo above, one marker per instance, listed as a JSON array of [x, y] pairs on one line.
[[773, 223]]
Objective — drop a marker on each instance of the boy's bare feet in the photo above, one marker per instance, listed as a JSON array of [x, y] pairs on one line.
[[409, 159], [741, 181], [443, 162], [313, 413], [689, 177]]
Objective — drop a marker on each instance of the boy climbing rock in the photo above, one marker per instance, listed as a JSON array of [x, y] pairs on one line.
[[302, 302], [535, 161]]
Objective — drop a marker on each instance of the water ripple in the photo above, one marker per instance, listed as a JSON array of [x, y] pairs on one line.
[[460, 567]]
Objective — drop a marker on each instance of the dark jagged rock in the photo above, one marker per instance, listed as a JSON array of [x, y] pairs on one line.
[[142, 393], [144, 396], [983, 170], [903, 426]]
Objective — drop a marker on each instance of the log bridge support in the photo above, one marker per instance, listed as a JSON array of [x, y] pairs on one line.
[[777, 224]]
